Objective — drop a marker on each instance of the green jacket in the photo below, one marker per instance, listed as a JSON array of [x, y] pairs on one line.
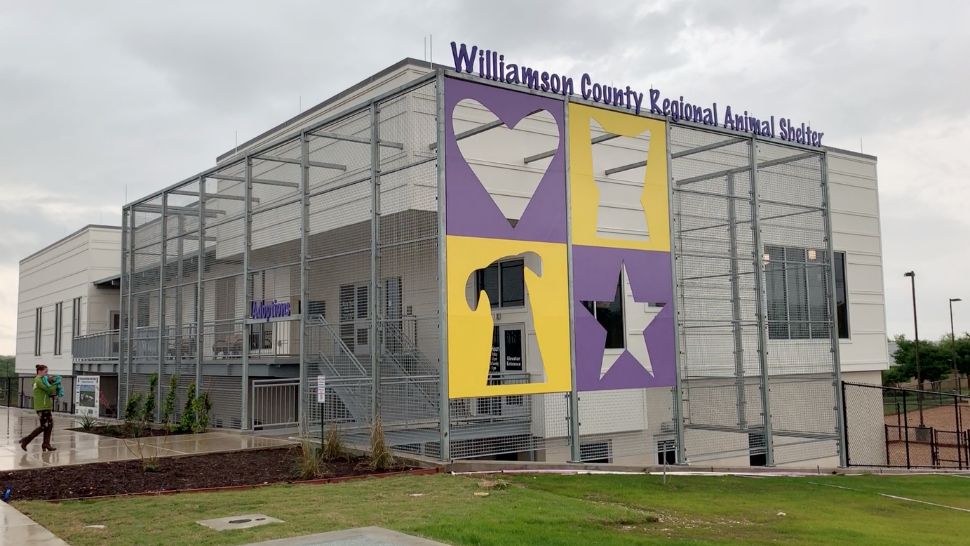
[[42, 394]]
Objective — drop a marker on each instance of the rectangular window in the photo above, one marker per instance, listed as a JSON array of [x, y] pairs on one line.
[[841, 296], [317, 308], [503, 282], [596, 452], [76, 317], [38, 327], [756, 449], [796, 285], [58, 326], [610, 316], [143, 310], [354, 309], [667, 452]]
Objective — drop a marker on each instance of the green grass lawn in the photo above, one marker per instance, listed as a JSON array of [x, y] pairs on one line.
[[546, 509]]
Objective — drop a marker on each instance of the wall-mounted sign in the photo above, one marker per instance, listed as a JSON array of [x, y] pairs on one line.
[[86, 395], [262, 311], [491, 65]]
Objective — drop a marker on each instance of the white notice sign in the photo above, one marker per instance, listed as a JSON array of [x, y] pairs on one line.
[[321, 389]]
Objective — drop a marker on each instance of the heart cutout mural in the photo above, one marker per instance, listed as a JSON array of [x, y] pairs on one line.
[[496, 155]]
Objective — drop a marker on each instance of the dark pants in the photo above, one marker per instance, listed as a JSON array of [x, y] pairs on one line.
[[46, 426]]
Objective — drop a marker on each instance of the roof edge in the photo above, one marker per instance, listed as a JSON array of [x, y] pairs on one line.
[[309, 112], [66, 237]]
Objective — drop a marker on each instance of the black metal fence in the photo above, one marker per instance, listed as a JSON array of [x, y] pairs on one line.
[[906, 428], [10, 391]]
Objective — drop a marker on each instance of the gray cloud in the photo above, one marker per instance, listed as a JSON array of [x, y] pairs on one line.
[[102, 98]]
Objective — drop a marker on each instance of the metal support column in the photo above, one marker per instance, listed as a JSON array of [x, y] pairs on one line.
[[163, 256], [245, 422], [444, 415], [124, 356], [840, 430], [575, 453], [759, 276], [303, 397], [736, 307], [200, 289], [179, 302], [375, 232], [678, 396]]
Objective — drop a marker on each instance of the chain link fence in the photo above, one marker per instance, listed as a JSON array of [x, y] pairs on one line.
[[913, 428]]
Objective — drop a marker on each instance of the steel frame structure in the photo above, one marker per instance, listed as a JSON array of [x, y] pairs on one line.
[[212, 223]]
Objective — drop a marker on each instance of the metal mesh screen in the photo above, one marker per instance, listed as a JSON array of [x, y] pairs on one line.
[[317, 255], [757, 357]]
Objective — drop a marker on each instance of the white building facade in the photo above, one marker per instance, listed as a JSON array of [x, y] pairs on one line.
[[328, 248], [68, 292]]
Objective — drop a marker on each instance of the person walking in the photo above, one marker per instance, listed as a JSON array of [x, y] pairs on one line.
[[43, 404]]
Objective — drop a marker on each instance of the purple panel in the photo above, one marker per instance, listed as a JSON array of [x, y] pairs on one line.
[[595, 273], [470, 209]]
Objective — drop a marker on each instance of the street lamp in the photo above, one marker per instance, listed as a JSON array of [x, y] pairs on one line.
[[953, 346], [919, 371]]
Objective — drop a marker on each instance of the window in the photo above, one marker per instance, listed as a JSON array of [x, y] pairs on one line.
[[354, 310], [598, 452], [38, 326], [667, 452], [610, 316], [143, 311], [58, 326], [317, 308], [503, 282], [76, 318], [841, 296], [795, 284], [756, 449]]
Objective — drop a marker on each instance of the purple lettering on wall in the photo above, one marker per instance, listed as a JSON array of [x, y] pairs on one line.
[[260, 310], [492, 66]]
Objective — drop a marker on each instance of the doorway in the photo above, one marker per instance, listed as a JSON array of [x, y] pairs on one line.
[[506, 367]]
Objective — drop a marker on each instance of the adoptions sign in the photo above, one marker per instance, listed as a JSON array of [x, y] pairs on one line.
[[260, 310], [491, 65]]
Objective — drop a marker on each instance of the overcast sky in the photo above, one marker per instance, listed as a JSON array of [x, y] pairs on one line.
[[98, 99]]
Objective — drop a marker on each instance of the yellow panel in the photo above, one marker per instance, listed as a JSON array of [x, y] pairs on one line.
[[585, 194], [470, 332]]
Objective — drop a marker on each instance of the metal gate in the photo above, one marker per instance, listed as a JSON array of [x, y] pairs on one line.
[[276, 403]]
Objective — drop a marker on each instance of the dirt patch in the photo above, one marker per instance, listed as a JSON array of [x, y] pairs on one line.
[[239, 468], [121, 431]]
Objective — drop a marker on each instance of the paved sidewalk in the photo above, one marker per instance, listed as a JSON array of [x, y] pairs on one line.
[[82, 447], [361, 536], [17, 529]]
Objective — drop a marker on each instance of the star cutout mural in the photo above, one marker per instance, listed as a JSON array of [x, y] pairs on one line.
[[630, 314]]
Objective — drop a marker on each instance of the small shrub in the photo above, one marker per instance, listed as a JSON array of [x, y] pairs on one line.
[[88, 422], [168, 408], [148, 406], [308, 461], [380, 454], [133, 414], [201, 407], [333, 446], [188, 422]]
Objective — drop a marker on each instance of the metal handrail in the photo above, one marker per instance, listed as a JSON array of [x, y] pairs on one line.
[[319, 320]]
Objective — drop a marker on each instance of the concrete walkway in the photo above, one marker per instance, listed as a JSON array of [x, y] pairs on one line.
[[82, 447], [17, 529], [361, 536]]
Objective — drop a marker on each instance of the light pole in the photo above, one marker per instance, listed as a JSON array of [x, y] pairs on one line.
[[953, 346], [919, 371]]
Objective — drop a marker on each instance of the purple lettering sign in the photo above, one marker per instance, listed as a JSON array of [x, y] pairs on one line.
[[260, 310]]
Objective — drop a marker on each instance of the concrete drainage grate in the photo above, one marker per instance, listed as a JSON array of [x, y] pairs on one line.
[[244, 521]]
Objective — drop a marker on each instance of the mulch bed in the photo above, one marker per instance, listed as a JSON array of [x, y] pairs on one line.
[[119, 431], [238, 468]]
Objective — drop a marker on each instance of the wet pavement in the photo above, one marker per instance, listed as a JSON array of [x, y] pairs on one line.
[[82, 447]]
